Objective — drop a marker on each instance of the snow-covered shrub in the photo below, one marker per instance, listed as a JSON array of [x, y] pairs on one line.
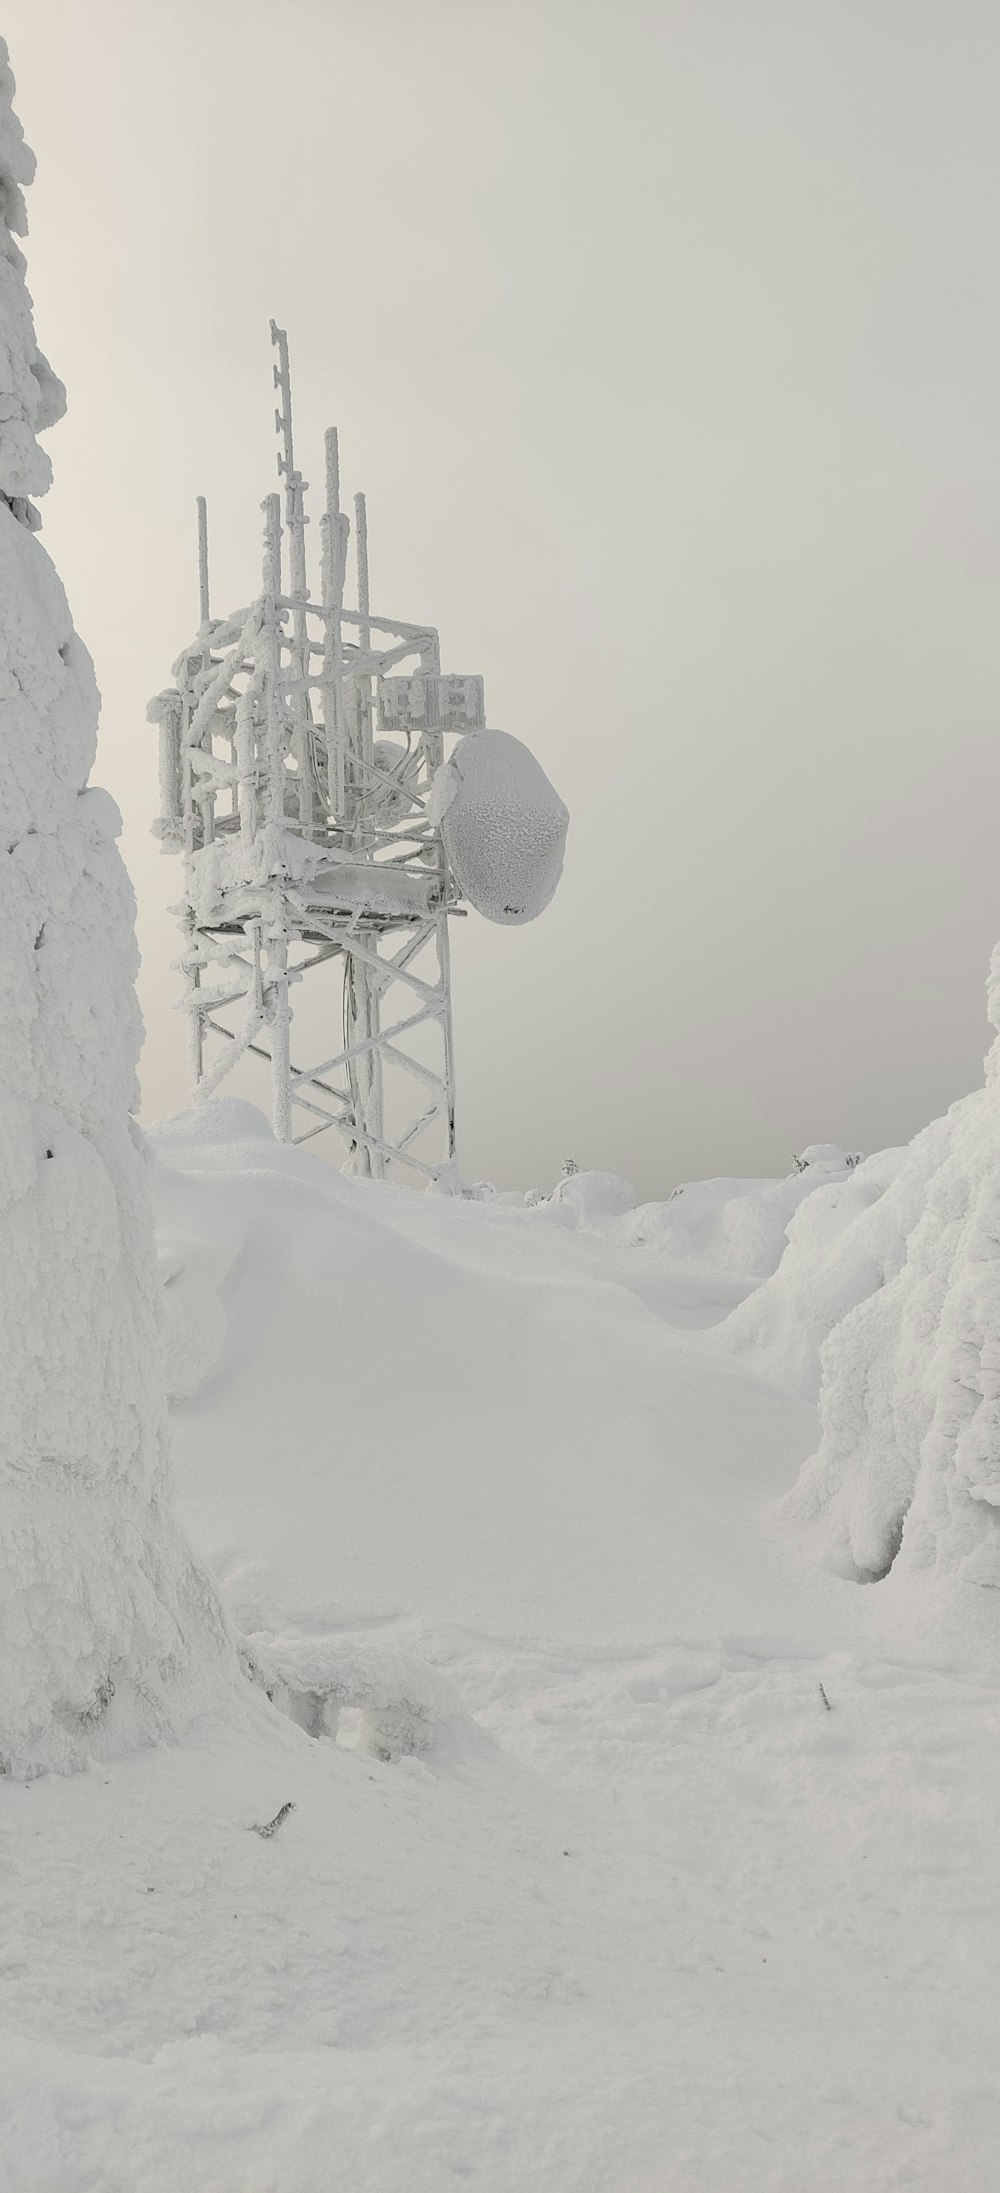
[[509, 1199], [591, 1198], [109, 1629], [829, 1155]]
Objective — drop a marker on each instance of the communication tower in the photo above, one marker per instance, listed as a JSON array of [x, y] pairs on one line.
[[298, 747]]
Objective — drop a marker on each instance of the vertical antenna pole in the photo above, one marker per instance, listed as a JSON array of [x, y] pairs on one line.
[[283, 418], [203, 559], [333, 602], [273, 756], [361, 553], [366, 694], [195, 1023], [367, 987], [447, 1031], [295, 520], [275, 934], [280, 1016]]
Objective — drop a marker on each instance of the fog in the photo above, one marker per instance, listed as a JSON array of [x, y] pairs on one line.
[[665, 341]]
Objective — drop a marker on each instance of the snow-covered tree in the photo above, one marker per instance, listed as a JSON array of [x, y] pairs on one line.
[[109, 1630], [908, 1472]]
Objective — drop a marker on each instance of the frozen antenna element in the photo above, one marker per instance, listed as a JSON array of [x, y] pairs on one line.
[[335, 797]]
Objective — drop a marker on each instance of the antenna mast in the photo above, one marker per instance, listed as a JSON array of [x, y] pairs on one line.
[[202, 507]]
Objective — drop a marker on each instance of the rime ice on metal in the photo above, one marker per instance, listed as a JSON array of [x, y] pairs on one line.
[[298, 749]]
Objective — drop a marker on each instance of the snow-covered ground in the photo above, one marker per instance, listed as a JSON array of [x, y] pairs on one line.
[[678, 1872]]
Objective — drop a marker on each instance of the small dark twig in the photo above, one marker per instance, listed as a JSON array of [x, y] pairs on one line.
[[271, 1826], [105, 1690], [825, 1699]]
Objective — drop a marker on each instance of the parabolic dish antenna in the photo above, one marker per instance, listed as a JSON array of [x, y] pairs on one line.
[[503, 825]]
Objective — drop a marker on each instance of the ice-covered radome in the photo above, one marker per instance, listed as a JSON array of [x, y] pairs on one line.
[[109, 1629], [504, 826]]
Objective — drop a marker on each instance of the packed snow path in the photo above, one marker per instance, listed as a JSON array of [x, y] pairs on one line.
[[692, 1888]]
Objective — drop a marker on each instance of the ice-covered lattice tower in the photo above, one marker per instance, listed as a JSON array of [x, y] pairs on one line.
[[335, 796]]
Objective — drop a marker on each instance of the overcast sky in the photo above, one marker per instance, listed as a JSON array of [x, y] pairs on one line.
[[665, 340]]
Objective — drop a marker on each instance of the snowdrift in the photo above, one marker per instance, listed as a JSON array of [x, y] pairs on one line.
[[596, 1781], [437, 1386], [733, 1229]]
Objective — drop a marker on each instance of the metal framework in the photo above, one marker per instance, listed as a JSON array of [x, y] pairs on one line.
[[297, 751]]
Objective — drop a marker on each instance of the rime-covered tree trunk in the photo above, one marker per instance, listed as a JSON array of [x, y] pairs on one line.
[[109, 1631]]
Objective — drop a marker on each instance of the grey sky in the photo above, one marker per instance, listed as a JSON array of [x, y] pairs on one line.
[[664, 340]]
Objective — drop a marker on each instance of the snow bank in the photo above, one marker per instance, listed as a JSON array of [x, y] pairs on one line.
[[701, 1823], [109, 1629], [434, 1408], [734, 1229], [504, 827]]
